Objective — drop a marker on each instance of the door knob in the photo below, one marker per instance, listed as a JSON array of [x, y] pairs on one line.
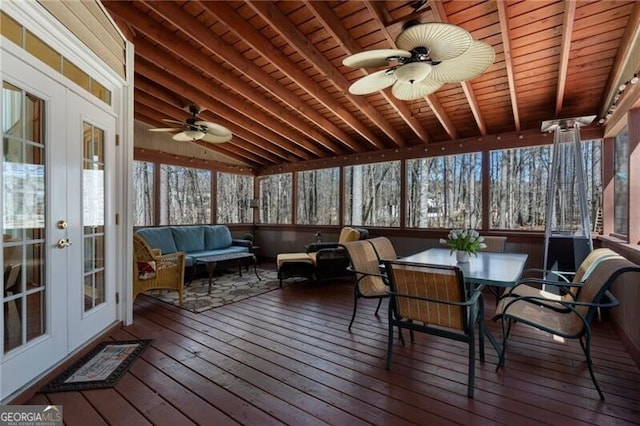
[[63, 243]]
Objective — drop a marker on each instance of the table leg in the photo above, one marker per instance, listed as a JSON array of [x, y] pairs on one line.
[[211, 266], [255, 270]]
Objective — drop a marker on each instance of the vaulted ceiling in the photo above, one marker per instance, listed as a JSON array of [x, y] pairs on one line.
[[272, 72]]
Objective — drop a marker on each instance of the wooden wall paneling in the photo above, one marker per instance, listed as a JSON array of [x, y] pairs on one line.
[[87, 21]]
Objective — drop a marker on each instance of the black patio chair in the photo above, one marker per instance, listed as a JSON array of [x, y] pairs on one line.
[[434, 299], [572, 322]]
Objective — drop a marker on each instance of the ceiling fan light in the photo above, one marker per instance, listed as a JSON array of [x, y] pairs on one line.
[[194, 134], [413, 72]]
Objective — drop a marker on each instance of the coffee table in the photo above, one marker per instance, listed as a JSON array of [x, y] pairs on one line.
[[212, 262]]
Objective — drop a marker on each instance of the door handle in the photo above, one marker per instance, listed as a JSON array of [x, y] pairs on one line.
[[63, 243]]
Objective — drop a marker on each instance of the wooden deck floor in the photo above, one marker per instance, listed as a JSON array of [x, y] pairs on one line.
[[286, 357]]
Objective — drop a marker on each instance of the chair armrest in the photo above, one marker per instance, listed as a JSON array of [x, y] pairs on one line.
[[169, 260], [563, 275], [243, 243], [367, 274], [538, 283], [469, 302], [156, 252], [313, 247]]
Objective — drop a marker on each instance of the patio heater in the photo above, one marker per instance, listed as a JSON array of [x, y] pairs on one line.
[[567, 236]]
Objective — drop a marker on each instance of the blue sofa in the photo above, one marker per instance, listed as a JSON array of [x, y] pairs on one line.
[[194, 240]]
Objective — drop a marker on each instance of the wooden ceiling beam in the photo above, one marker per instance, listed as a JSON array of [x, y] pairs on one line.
[[440, 14], [508, 59], [442, 116], [264, 47], [156, 102], [249, 132], [144, 112], [203, 35], [565, 49], [628, 50], [283, 26], [226, 104], [155, 32], [331, 22]]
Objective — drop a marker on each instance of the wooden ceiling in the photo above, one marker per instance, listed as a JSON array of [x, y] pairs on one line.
[[272, 71]]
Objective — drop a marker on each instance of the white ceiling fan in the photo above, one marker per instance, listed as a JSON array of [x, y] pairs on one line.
[[193, 129], [428, 55]]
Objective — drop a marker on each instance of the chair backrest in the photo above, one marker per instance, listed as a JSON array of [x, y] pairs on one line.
[[590, 262], [600, 280], [11, 275], [494, 244], [365, 263], [141, 250], [348, 234], [384, 248], [412, 283], [363, 257]]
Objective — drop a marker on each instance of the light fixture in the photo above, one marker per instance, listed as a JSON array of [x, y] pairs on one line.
[[413, 72], [614, 103], [194, 134]]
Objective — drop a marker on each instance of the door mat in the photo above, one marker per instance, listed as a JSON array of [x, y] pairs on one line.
[[101, 368]]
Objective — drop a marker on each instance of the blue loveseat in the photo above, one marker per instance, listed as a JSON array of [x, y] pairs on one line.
[[194, 240]]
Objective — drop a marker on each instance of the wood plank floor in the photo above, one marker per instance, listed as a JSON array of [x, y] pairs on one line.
[[286, 357]]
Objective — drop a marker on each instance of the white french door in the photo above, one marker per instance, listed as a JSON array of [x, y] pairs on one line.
[[58, 235], [90, 213]]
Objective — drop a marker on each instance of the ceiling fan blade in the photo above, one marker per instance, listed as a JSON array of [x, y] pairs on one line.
[[445, 41], [372, 83], [166, 129], [374, 58], [208, 137], [188, 136], [170, 120], [476, 60], [410, 92], [214, 129]]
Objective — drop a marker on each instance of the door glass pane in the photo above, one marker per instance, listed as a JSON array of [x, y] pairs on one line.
[[93, 215], [23, 213]]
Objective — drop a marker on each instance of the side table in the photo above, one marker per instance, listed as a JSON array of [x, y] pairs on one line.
[[255, 250]]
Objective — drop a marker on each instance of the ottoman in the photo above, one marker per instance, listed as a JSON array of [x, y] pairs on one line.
[[294, 265]]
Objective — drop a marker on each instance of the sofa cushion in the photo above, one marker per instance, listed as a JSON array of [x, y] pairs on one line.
[[348, 234], [216, 237], [159, 238], [188, 238]]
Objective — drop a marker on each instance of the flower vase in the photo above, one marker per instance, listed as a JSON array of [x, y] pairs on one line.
[[462, 256]]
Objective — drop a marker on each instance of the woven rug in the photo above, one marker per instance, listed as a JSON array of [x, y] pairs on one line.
[[100, 368], [226, 288]]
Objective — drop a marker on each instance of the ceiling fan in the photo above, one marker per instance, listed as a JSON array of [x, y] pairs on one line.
[[428, 55], [193, 129]]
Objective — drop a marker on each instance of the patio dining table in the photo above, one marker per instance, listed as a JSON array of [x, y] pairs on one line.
[[487, 268]]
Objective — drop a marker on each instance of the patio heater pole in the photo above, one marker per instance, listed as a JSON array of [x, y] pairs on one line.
[[563, 237]]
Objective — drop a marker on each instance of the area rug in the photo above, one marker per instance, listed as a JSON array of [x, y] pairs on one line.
[[226, 288], [100, 368]]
